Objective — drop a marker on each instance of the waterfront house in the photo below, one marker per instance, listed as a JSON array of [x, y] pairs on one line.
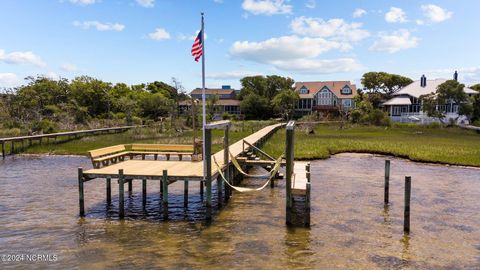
[[328, 96], [406, 107], [227, 101]]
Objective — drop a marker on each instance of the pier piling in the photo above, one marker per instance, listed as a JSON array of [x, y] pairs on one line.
[[185, 193], [80, 192], [121, 194], [165, 194], [109, 190], [144, 192], [208, 154], [387, 181], [289, 170], [406, 212]]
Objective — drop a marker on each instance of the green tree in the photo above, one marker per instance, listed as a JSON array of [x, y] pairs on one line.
[[253, 85], [385, 83], [91, 93], [255, 107], [449, 92], [212, 105], [284, 103], [476, 87], [156, 105], [275, 84]]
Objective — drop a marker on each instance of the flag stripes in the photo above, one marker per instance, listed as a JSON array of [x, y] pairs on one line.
[[197, 49]]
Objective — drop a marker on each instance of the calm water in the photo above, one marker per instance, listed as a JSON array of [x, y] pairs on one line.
[[350, 229]]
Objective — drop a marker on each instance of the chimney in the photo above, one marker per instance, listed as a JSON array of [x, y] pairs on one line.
[[423, 81], [455, 76]]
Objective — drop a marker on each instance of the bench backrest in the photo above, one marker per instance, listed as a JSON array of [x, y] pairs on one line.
[[162, 147], [106, 151]]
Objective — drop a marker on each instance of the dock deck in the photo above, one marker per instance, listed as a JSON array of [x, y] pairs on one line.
[[177, 170]]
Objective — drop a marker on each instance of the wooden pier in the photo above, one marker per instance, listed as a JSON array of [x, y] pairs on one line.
[[170, 171], [54, 136]]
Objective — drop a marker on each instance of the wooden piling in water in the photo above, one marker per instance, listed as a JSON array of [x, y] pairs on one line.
[[121, 194], [306, 219], [219, 190], [289, 170], [165, 194], [130, 186], [109, 190], [185, 193], [406, 211], [201, 188], [144, 192], [80, 192], [12, 150], [208, 145], [3, 150], [387, 182]]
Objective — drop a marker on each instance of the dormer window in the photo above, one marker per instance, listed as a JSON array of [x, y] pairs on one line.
[[346, 90], [303, 90]]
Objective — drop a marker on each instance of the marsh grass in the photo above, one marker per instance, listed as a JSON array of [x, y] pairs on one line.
[[141, 135], [438, 145]]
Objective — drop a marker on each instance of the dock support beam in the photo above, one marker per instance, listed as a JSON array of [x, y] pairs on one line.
[[226, 150], [208, 158], [130, 186], [306, 217], [289, 169], [3, 150], [185, 193], [144, 192], [406, 212], [165, 194], [121, 194], [387, 181], [109, 190], [80, 192]]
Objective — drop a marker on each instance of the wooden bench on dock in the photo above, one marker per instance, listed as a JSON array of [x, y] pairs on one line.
[[179, 150], [114, 154]]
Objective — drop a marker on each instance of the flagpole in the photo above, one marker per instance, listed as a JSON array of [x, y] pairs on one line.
[[203, 100]]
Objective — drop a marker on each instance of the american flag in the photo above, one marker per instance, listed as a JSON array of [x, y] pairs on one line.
[[197, 50]]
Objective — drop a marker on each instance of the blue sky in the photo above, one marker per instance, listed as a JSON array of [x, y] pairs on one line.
[[136, 41]]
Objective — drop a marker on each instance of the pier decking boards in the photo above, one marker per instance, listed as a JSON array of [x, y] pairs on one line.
[[177, 170]]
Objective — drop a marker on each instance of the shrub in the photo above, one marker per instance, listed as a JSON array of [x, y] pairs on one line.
[[45, 126], [434, 125], [136, 120], [476, 123]]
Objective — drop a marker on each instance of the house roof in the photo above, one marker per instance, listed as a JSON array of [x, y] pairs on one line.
[[334, 86], [398, 101], [221, 102], [415, 90], [211, 91]]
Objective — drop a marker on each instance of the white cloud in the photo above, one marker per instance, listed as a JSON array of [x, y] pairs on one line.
[[336, 29], [358, 13], [394, 42], [21, 58], [146, 3], [69, 67], [293, 53], [218, 1], [83, 2], [52, 76], [9, 80], [436, 14], [99, 26], [232, 75], [311, 4], [319, 66], [396, 15], [266, 7], [159, 34], [420, 22]]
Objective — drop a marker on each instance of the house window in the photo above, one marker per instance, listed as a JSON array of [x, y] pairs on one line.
[[347, 102], [303, 90], [346, 90], [396, 110]]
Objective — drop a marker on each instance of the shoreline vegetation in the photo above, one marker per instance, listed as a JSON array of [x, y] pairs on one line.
[[438, 145], [428, 144]]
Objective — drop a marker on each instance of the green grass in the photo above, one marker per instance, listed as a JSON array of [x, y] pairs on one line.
[[438, 145], [145, 135]]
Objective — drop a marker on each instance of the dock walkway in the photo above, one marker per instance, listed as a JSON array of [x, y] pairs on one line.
[[177, 170]]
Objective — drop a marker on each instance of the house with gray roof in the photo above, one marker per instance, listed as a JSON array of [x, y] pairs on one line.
[[406, 107]]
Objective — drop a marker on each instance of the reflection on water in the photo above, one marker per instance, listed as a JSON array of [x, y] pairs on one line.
[[350, 228]]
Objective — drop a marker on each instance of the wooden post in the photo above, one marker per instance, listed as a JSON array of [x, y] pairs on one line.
[[406, 212], [226, 161], [208, 173], [80, 192], [109, 190], [165, 194], [387, 180], [13, 148], [219, 190], [201, 188], [144, 192], [130, 186], [121, 194], [306, 220], [185, 193], [289, 169], [3, 149]]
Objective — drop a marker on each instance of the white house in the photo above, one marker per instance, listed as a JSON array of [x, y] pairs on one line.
[[325, 96], [406, 106]]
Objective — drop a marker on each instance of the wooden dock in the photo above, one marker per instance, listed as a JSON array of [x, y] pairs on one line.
[[167, 172], [54, 136]]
